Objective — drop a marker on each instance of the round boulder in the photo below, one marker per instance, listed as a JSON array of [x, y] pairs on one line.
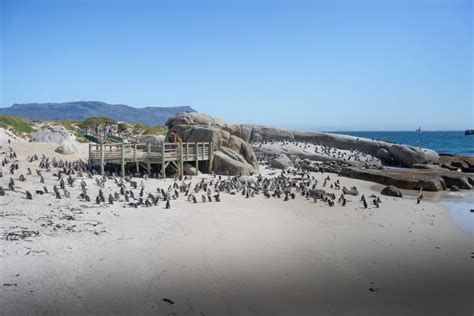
[[383, 154], [66, 148], [454, 188], [391, 191], [281, 162], [230, 164], [50, 135]]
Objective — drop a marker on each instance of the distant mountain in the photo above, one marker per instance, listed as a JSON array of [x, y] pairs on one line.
[[81, 110]]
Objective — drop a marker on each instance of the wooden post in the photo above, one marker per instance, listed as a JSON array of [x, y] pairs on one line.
[[135, 157], [102, 159], [187, 151], [122, 160], [90, 156], [197, 157], [211, 155], [148, 163], [181, 158], [163, 160]]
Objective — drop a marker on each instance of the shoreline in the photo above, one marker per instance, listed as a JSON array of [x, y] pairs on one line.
[[458, 204]]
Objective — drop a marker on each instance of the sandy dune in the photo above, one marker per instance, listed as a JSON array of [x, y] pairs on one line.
[[241, 256]]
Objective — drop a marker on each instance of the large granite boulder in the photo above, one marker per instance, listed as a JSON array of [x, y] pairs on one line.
[[227, 164], [193, 119], [66, 148], [281, 162], [152, 139], [289, 149], [189, 169], [198, 127], [390, 154], [51, 135], [455, 162]]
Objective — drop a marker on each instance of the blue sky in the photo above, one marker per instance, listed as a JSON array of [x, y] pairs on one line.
[[346, 65]]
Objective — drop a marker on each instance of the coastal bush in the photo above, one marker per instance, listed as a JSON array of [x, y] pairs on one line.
[[122, 127], [91, 122], [72, 126], [142, 129], [19, 126]]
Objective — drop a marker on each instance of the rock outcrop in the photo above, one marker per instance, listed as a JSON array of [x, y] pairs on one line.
[[281, 162], [390, 154], [152, 139], [457, 162], [413, 179], [329, 156], [231, 165], [66, 148], [391, 191], [232, 155], [51, 135], [58, 135], [190, 169]]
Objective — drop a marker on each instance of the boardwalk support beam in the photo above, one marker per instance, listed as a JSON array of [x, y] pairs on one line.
[[147, 155]]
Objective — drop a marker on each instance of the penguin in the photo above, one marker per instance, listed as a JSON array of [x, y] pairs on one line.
[[28, 195]]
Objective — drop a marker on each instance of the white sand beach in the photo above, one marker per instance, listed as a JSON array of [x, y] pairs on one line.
[[242, 256]]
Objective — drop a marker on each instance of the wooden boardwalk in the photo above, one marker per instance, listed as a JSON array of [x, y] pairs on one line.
[[147, 154]]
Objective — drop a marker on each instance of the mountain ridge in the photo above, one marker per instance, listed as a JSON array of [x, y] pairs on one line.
[[81, 110]]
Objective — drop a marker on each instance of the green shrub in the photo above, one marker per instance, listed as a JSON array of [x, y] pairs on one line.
[[122, 127], [142, 129], [18, 125], [91, 122]]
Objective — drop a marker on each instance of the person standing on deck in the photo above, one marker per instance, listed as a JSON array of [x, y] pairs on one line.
[[172, 138]]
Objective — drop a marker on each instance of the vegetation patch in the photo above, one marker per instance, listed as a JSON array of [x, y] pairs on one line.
[[142, 129], [19, 126], [91, 122]]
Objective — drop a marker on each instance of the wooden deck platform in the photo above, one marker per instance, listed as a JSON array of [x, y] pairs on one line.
[[148, 155]]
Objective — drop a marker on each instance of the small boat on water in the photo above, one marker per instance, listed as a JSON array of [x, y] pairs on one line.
[[418, 130], [469, 132]]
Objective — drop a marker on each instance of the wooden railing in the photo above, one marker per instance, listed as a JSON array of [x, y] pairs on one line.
[[162, 153]]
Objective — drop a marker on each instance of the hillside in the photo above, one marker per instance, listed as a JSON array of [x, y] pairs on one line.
[[82, 110], [22, 128]]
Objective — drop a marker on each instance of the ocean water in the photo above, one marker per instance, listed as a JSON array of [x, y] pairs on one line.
[[442, 142], [460, 205]]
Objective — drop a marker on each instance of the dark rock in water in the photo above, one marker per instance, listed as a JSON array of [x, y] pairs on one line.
[[413, 179], [455, 162], [392, 191], [454, 188]]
